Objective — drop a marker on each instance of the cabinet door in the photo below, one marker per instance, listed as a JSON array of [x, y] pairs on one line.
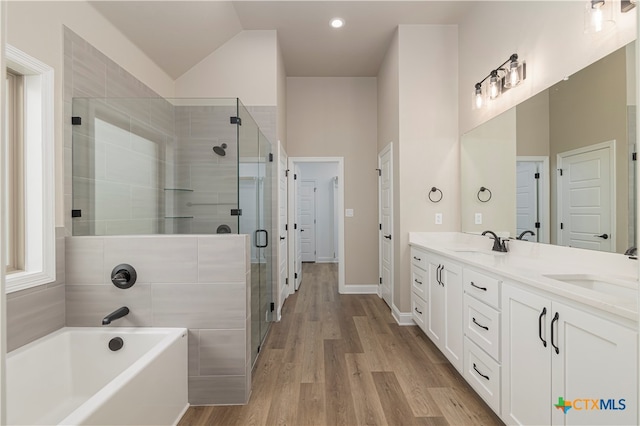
[[596, 360], [436, 303], [451, 278], [526, 359]]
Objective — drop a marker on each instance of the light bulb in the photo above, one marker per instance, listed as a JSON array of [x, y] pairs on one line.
[[494, 85], [514, 75], [478, 96], [596, 19]]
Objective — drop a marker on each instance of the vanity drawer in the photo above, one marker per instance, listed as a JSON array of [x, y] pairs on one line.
[[419, 282], [419, 259], [419, 312], [482, 287], [482, 325], [482, 373]]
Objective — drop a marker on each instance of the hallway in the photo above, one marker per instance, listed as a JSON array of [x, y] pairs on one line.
[[342, 360]]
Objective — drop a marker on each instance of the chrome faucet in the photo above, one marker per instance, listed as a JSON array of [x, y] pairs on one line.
[[498, 244], [521, 236], [118, 313]]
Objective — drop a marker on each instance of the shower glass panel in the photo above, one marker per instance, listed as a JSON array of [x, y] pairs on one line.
[[148, 166], [254, 191], [176, 166]]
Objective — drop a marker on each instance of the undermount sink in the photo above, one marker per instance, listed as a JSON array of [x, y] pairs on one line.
[[611, 286]]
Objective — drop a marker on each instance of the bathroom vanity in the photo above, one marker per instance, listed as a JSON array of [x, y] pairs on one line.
[[544, 334]]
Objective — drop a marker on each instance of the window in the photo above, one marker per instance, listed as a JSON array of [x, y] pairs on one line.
[[14, 180], [28, 194]]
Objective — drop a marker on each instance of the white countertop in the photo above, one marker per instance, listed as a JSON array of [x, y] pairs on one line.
[[528, 263]]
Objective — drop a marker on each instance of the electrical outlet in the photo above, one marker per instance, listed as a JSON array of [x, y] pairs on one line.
[[348, 212], [478, 218], [438, 218]]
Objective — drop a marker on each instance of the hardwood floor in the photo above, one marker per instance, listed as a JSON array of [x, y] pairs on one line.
[[342, 360]]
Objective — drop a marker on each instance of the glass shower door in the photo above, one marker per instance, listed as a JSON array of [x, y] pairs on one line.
[[255, 220]]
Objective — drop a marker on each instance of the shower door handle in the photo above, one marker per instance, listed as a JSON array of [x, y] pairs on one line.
[[266, 238]]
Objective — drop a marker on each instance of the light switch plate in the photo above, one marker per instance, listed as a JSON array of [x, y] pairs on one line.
[[348, 212], [478, 219], [438, 218]]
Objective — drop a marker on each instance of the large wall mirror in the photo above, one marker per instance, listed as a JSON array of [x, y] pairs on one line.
[[559, 164]]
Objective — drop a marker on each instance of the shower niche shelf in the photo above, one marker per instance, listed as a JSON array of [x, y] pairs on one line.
[[179, 189]]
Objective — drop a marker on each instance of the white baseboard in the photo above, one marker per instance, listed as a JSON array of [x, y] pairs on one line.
[[402, 318], [360, 289]]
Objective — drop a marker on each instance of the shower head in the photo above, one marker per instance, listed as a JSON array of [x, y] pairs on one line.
[[220, 150]]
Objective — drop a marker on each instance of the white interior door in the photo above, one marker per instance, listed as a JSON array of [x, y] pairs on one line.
[[282, 223], [297, 230], [307, 224], [385, 203], [527, 198], [586, 211]]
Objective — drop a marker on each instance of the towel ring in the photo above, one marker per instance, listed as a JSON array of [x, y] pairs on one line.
[[434, 189], [483, 189]]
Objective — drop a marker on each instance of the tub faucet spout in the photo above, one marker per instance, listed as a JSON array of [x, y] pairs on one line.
[[118, 313]]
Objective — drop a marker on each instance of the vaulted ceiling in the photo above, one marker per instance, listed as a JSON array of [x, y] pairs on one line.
[[177, 35]]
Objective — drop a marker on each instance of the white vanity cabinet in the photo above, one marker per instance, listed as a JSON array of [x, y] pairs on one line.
[[437, 302], [551, 350]]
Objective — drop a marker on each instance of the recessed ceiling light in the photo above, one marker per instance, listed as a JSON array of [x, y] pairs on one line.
[[337, 22]]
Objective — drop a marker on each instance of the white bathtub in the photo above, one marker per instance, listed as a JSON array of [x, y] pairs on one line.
[[71, 377]]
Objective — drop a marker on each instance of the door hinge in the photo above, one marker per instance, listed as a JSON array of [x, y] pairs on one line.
[[295, 226], [286, 173], [286, 227], [273, 306], [76, 121], [286, 281], [537, 176], [537, 225], [560, 170], [295, 275], [380, 226], [561, 225], [236, 120], [634, 156], [379, 172], [236, 212], [295, 176], [315, 189], [270, 157], [258, 348], [380, 280]]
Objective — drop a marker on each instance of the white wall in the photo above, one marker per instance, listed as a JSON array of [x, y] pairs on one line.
[[549, 36], [336, 117], [326, 219], [428, 139], [245, 67], [36, 28], [281, 101]]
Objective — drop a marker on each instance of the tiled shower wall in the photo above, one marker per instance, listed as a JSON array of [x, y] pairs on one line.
[[210, 181], [197, 282]]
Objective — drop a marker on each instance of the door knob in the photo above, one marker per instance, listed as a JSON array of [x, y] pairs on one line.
[[603, 236], [388, 237]]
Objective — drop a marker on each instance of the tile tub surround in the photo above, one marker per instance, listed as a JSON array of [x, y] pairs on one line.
[[201, 282], [528, 262], [37, 311]]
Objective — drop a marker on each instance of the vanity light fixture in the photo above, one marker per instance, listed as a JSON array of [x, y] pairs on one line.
[[336, 23], [598, 16], [501, 79]]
